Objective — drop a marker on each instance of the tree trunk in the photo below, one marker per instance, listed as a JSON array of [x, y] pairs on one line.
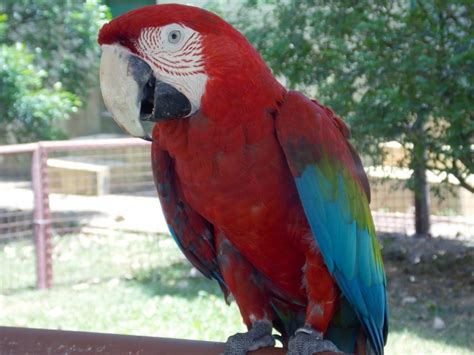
[[421, 191]]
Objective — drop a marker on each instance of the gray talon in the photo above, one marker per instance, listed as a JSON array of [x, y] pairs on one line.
[[308, 341], [259, 336]]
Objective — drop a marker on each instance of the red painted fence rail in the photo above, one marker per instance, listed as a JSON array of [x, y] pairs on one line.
[[28, 341]]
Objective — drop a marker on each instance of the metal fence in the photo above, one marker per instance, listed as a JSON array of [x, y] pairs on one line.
[[94, 200], [61, 200]]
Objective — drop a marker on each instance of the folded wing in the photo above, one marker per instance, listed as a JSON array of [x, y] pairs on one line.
[[334, 192]]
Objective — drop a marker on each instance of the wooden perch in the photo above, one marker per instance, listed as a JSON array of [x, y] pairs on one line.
[[23, 341]]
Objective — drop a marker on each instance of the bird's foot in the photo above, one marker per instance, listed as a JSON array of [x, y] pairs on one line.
[[308, 341], [259, 336]]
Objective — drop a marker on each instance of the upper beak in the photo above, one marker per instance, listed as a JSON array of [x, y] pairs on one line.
[[120, 89], [132, 93]]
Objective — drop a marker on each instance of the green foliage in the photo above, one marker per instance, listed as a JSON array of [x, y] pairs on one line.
[[3, 26], [48, 61], [28, 110], [63, 36], [395, 70]]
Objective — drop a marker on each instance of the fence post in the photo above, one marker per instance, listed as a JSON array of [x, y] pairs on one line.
[[42, 218]]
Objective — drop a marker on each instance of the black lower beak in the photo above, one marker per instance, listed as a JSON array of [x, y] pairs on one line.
[[162, 101]]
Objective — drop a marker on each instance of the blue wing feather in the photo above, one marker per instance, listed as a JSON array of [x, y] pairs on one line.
[[348, 251], [334, 192]]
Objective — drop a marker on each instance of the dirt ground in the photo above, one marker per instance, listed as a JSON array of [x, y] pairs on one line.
[[431, 286]]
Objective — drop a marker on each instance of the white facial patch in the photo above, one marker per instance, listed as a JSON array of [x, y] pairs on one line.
[[175, 54]]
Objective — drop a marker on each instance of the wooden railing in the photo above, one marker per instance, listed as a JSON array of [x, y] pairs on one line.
[[21, 341]]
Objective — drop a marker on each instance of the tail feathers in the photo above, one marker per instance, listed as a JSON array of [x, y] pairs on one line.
[[288, 320], [363, 345], [344, 338], [347, 332]]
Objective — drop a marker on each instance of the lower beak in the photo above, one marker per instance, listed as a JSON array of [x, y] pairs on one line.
[[132, 94]]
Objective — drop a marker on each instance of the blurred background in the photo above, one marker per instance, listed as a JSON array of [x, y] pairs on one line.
[[83, 243]]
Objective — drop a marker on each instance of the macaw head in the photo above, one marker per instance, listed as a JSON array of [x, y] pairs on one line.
[[164, 62]]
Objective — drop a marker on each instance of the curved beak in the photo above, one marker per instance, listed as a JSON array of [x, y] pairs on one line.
[[132, 94], [120, 88]]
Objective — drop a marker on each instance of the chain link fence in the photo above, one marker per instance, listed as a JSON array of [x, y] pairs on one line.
[[89, 200]]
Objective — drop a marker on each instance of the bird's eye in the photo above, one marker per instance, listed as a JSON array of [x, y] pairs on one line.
[[174, 36]]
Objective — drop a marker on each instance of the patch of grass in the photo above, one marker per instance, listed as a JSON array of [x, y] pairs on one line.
[[129, 285], [81, 258], [143, 285], [17, 265]]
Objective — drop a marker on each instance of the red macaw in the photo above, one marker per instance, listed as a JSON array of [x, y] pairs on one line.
[[259, 185]]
